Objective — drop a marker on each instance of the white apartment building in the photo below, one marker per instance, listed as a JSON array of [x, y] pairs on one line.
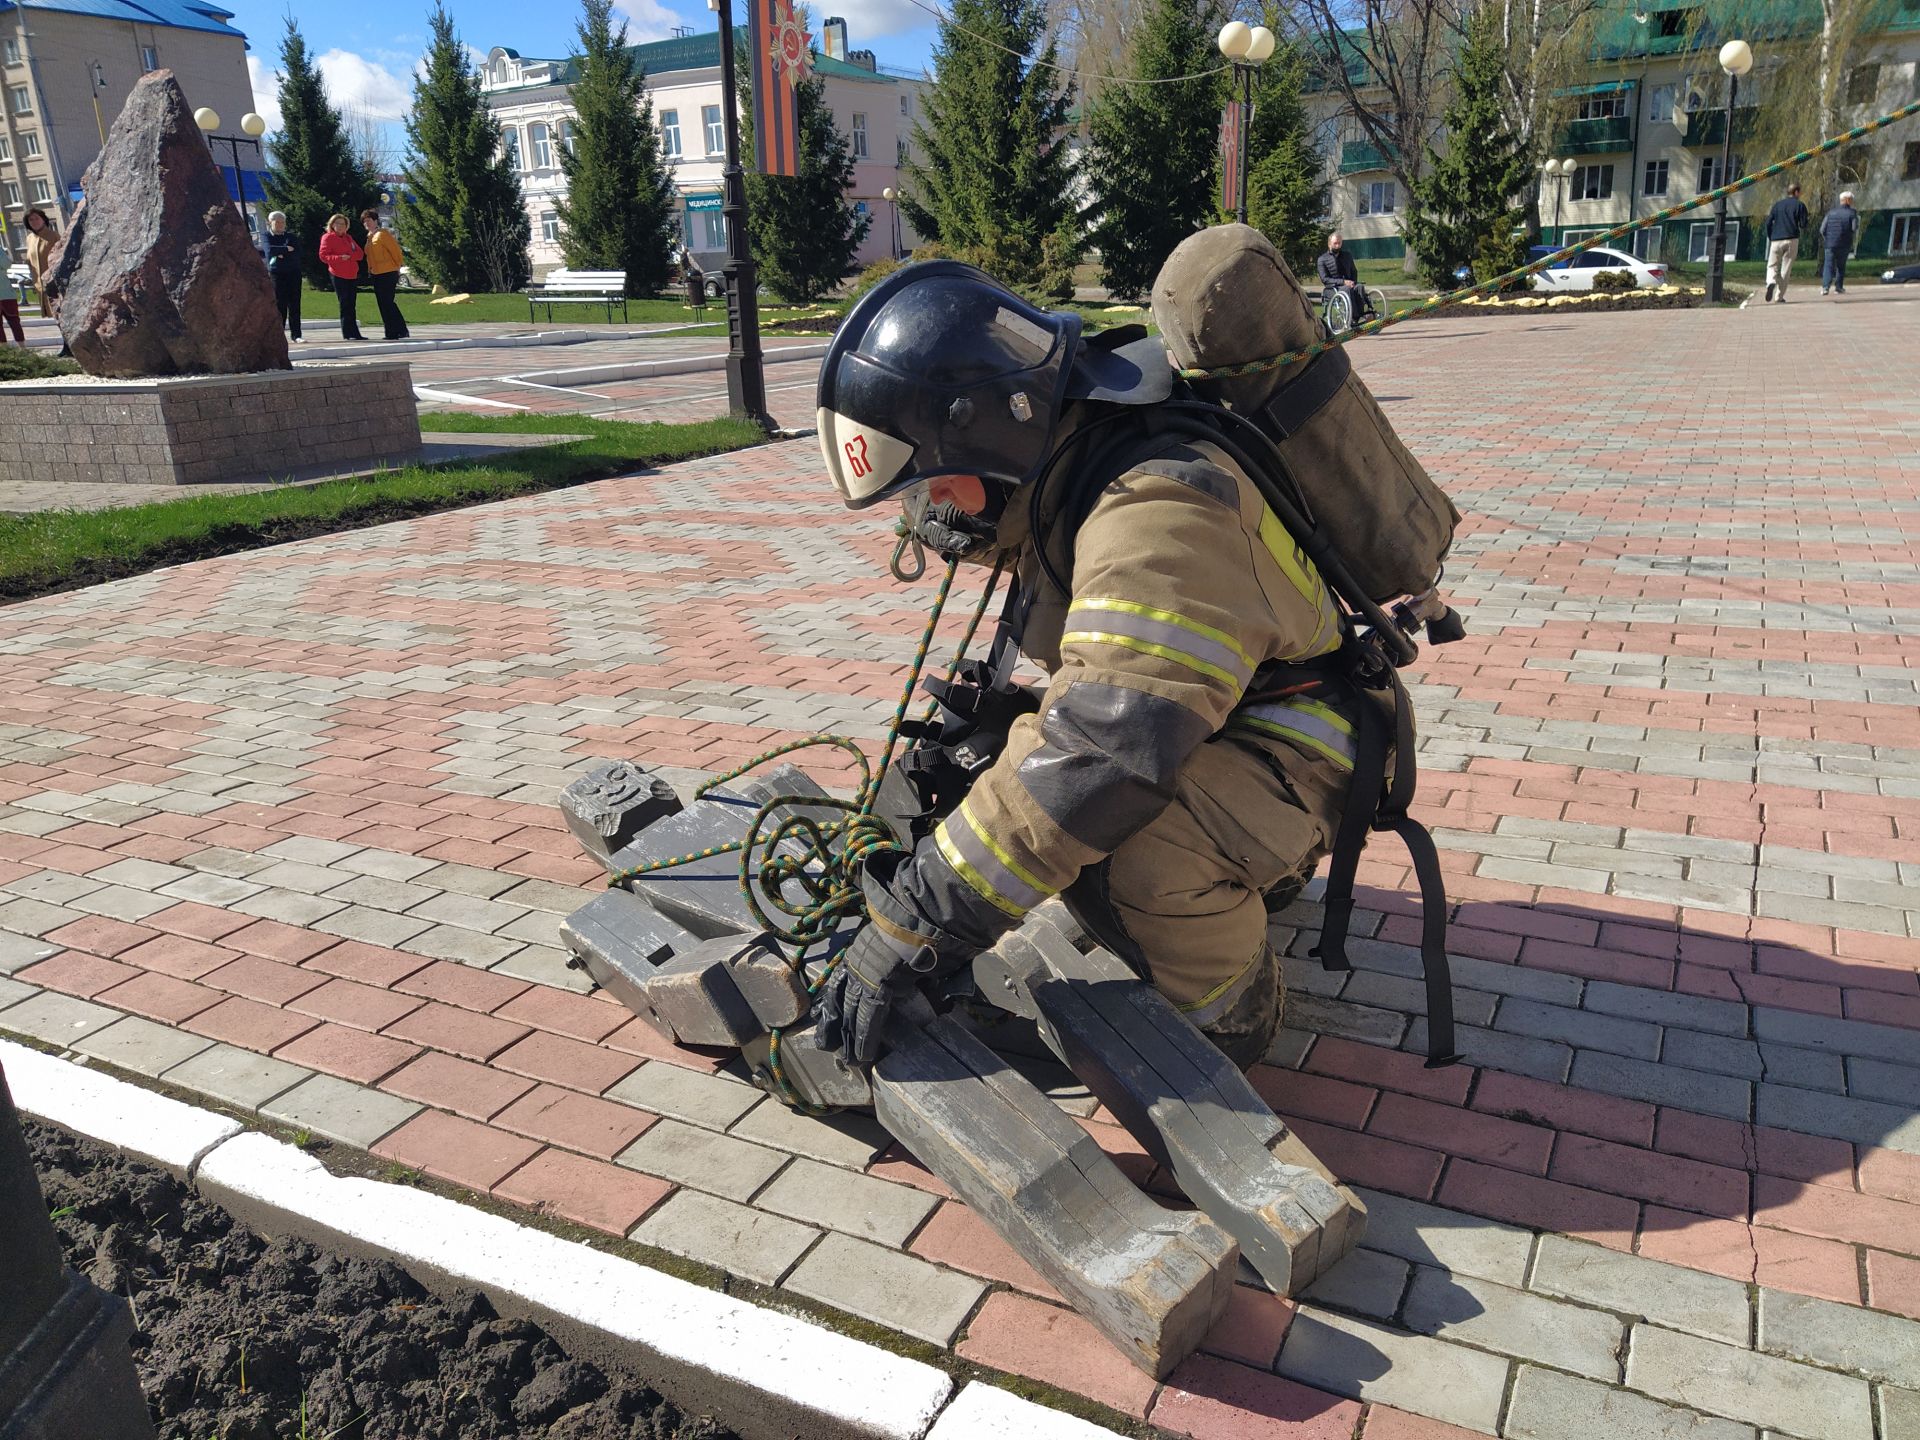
[[66, 68], [875, 110]]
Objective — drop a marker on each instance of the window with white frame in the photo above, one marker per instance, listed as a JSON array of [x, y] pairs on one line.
[[716, 135], [1571, 236], [1700, 240], [713, 230], [1646, 243], [1656, 177], [670, 134], [1378, 197], [550, 227], [900, 150], [6, 148], [29, 143], [22, 100], [1602, 107], [510, 145], [1591, 182], [1660, 104], [11, 192], [1713, 174], [906, 105], [12, 52], [42, 192], [540, 144], [149, 58], [1904, 238], [859, 136], [567, 133]]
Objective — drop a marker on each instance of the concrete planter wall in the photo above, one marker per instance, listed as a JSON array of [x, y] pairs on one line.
[[208, 428]]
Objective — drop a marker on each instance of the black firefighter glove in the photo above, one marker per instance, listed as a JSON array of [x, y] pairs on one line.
[[895, 951]]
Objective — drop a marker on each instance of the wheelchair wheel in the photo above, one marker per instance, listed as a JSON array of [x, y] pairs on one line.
[[1339, 312]]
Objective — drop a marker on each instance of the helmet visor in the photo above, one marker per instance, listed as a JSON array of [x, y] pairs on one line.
[[866, 464]]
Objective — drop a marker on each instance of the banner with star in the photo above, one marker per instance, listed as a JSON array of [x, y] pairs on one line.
[[782, 58]]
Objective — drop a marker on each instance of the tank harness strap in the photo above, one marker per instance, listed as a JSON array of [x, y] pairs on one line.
[[1378, 801], [1302, 397]]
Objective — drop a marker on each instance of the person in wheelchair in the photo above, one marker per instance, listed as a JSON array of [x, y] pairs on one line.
[[1337, 272]]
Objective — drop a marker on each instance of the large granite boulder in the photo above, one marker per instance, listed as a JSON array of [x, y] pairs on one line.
[[157, 274]]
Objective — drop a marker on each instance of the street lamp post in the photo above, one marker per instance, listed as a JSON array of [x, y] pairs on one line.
[[746, 376], [892, 197], [1736, 58], [96, 72], [1246, 48]]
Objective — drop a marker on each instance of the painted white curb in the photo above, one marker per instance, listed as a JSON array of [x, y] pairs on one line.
[[985, 1412], [171, 1134], [685, 365]]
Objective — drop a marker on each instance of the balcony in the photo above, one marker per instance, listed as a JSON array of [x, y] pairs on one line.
[[1709, 127], [1595, 137], [1359, 155]]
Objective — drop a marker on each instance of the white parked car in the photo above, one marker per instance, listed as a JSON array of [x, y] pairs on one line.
[[1578, 273]]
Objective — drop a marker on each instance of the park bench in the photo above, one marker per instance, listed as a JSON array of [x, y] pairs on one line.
[[580, 287]]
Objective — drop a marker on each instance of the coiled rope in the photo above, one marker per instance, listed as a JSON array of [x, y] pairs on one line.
[[823, 860], [1488, 287]]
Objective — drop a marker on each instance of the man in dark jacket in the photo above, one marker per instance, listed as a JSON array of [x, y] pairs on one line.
[[1785, 221], [1837, 233], [1337, 272]]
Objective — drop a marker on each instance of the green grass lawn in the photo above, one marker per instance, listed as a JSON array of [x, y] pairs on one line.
[[60, 549]]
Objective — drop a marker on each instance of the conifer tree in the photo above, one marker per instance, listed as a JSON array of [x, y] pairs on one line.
[[1287, 189], [467, 227], [803, 229], [991, 178], [1152, 167], [313, 171], [1469, 195], [618, 213]]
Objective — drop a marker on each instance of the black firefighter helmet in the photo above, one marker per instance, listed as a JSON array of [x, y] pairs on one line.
[[941, 370]]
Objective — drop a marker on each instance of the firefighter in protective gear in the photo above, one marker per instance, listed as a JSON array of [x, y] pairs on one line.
[[1184, 761]]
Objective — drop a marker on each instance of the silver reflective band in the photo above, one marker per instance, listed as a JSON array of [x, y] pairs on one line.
[[1318, 727], [863, 462]]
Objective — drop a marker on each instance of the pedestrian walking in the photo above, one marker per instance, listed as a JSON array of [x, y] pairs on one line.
[[342, 257], [383, 272], [283, 264], [1837, 234], [1785, 221], [10, 310]]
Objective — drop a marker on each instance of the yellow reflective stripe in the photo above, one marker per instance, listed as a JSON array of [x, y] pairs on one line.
[[1287, 732], [1020, 872], [1164, 652], [1166, 617], [975, 880], [1325, 712], [1301, 573], [1217, 1001]]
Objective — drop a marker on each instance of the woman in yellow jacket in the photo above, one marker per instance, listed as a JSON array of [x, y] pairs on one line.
[[383, 271]]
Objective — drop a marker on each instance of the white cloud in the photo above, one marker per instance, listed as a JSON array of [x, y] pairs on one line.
[[266, 92], [358, 85], [868, 20], [647, 20]]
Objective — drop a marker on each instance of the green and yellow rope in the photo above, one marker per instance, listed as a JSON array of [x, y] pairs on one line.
[[1498, 282]]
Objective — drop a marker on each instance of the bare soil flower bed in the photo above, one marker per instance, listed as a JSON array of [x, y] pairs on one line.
[[244, 1338]]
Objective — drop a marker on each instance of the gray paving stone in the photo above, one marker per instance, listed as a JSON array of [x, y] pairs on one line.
[[1547, 986], [289, 907], [901, 1291], [1367, 1282], [1584, 1029], [140, 874], [239, 1077], [118, 902], [55, 887], [1514, 1322], [142, 1046], [1843, 1337], [12, 992], [715, 1101], [208, 889], [468, 947], [1867, 1122], [57, 1019], [1412, 1372], [36, 917], [1808, 1069], [544, 967], [1741, 1385], [341, 1110], [219, 860], [19, 951], [1498, 1050], [739, 1239], [1665, 1007], [303, 876], [862, 1205], [1550, 1406], [469, 880], [1899, 1413], [1446, 1239], [849, 1139], [545, 895], [1663, 1085], [385, 864], [1842, 1037], [1351, 1022], [1409, 996], [311, 849], [1720, 1054], [469, 912], [716, 1163], [375, 927], [1670, 1295], [1289, 1048], [1877, 1080], [393, 896]]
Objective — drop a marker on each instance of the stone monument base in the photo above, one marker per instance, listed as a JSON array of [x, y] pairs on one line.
[[199, 429]]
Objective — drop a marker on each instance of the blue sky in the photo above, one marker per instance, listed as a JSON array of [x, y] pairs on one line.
[[368, 52]]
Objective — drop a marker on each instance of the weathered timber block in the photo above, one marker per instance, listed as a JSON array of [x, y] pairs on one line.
[[775, 991], [1153, 1281], [819, 1077], [787, 781], [1189, 1107], [606, 808], [703, 895], [621, 939], [693, 999]]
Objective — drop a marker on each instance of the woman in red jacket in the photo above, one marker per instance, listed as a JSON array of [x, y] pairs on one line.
[[341, 256]]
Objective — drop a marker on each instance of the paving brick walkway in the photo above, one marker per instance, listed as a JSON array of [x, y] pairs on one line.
[[279, 828]]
